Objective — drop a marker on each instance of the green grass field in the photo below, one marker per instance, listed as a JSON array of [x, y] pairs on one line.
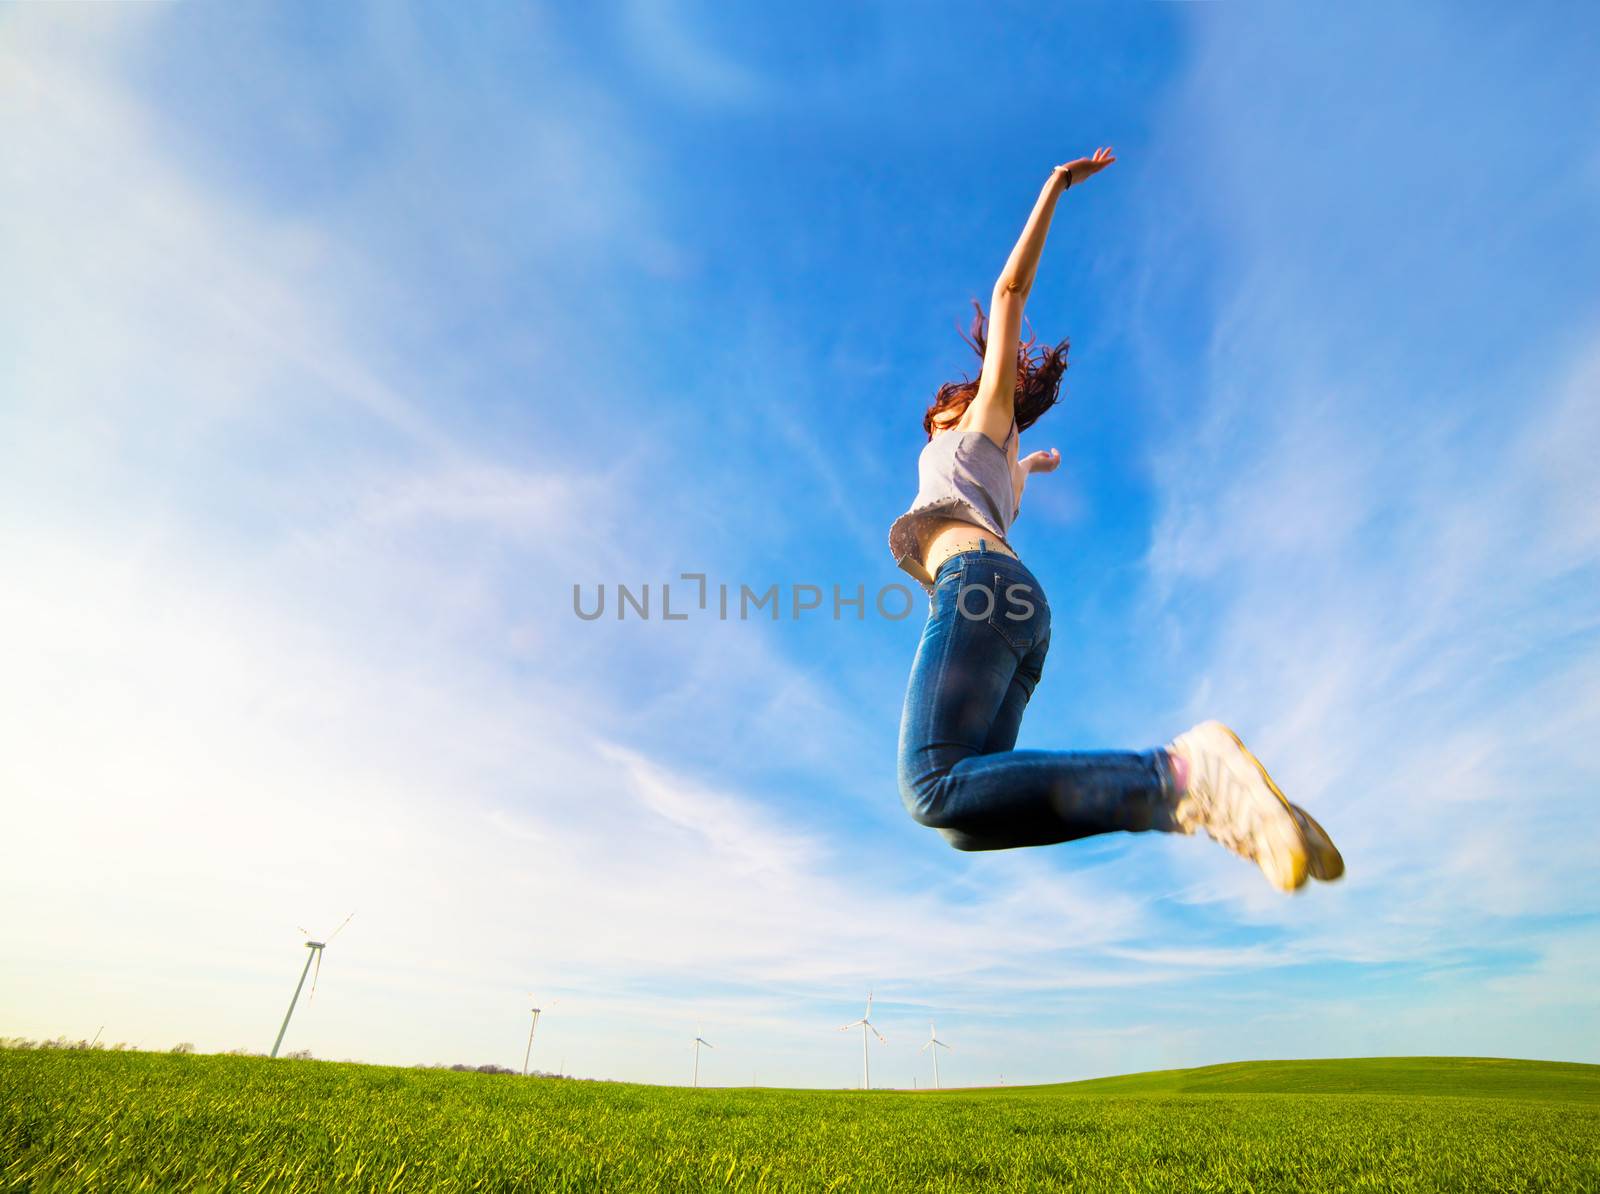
[[100, 1120]]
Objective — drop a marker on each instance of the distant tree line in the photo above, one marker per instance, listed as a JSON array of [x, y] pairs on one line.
[[187, 1047], [61, 1042]]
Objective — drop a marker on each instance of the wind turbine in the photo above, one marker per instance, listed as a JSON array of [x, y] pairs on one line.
[[316, 948], [698, 1041], [935, 1044], [865, 1024], [531, 1027]]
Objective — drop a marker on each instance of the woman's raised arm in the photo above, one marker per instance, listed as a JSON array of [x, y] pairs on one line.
[[993, 405]]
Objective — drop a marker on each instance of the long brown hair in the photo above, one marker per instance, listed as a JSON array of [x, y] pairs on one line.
[[1038, 380]]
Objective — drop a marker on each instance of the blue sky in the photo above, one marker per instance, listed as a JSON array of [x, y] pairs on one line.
[[337, 345]]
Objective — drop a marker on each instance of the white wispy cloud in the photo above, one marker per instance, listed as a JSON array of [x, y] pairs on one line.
[[662, 35], [265, 665], [1374, 566], [287, 634]]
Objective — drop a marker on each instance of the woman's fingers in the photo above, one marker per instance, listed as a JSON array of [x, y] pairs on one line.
[[1084, 167]]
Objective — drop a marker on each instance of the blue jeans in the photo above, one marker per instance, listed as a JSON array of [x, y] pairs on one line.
[[981, 655]]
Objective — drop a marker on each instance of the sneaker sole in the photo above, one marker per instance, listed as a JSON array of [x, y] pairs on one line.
[[1300, 866], [1327, 864], [1324, 861]]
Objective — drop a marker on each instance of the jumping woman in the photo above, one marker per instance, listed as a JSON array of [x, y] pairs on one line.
[[982, 650]]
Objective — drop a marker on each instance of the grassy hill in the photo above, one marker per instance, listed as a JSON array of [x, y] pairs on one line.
[[96, 1120], [1456, 1077]]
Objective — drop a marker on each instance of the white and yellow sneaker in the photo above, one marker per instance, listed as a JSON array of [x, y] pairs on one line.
[[1326, 864], [1230, 795]]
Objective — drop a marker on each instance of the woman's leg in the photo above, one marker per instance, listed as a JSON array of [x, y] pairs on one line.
[[969, 684], [1008, 721]]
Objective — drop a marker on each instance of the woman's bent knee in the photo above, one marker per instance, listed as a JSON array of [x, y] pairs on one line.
[[923, 799], [963, 841], [924, 811], [927, 806]]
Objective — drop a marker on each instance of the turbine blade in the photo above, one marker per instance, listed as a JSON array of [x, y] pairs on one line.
[[924, 1048], [316, 975], [340, 929], [877, 1034]]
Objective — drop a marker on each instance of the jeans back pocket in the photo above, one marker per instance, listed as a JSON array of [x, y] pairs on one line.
[[1016, 611]]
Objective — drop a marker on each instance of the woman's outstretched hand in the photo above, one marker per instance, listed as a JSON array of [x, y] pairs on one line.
[[1085, 167], [1040, 462], [1033, 462]]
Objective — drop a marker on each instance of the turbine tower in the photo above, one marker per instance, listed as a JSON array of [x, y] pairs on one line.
[[865, 1024], [935, 1044], [315, 948], [528, 1053], [531, 1027], [698, 1041]]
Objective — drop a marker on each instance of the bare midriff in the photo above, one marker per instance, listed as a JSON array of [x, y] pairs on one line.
[[945, 537]]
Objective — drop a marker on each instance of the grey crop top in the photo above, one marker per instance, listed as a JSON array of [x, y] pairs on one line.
[[960, 474]]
